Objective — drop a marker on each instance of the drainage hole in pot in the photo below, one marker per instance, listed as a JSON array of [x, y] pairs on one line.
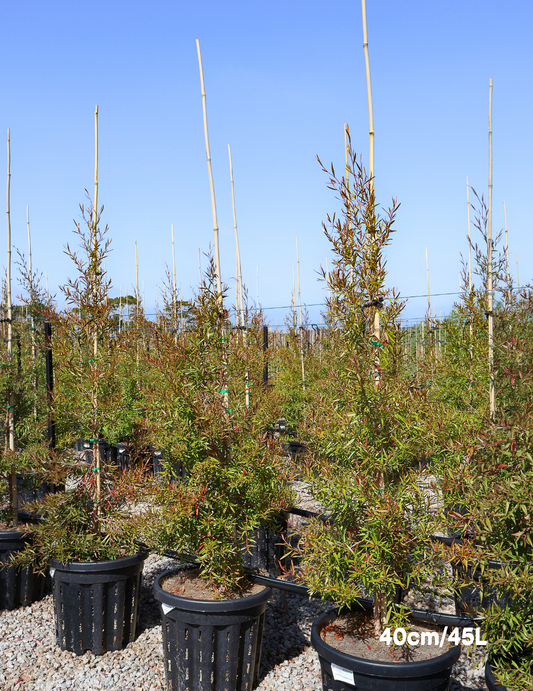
[[115, 624], [169, 667], [200, 655], [168, 646], [212, 660], [213, 636], [186, 634], [186, 653], [200, 674], [249, 650], [227, 655], [248, 669]]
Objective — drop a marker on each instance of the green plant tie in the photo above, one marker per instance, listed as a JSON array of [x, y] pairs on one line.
[[10, 406], [95, 470], [91, 360], [93, 440], [229, 410], [222, 340], [374, 342], [223, 391]]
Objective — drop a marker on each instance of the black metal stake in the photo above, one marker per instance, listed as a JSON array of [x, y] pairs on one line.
[[49, 384], [265, 359]]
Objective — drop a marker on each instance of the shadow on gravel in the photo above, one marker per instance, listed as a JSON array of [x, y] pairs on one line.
[[288, 621], [150, 609]]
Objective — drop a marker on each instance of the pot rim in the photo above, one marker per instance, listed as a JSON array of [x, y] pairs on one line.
[[214, 606], [91, 566]]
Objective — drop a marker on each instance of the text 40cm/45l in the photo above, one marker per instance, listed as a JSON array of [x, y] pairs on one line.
[[466, 636]]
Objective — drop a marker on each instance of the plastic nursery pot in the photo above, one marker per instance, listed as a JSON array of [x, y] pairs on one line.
[[490, 679], [17, 586], [343, 672], [263, 548], [211, 645], [178, 471], [97, 603], [469, 597]]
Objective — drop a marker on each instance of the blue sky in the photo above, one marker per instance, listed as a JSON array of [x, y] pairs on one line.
[[281, 79]]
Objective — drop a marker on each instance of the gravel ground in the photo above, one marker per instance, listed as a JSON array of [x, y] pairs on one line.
[[31, 660]]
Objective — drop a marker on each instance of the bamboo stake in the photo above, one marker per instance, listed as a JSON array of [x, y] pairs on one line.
[[492, 402], [517, 273], [10, 417], [210, 172], [377, 324], [369, 93], [120, 311]]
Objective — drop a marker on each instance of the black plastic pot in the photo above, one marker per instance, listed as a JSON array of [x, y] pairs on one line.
[[343, 672], [264, 549], [295, 449], [178, 472], [97, 603], [490, 679], [18, 587], [470, 598], [211, 644]]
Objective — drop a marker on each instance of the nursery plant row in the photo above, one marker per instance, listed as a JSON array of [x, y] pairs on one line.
[[190, 433]]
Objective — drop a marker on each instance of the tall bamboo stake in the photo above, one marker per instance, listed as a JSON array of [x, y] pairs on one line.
[[492, 402], [377, 325], [120, 311], [10, 416], [210, 172], [369, 93]]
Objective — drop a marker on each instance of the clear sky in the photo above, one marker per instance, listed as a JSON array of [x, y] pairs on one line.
[[281, 79]]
